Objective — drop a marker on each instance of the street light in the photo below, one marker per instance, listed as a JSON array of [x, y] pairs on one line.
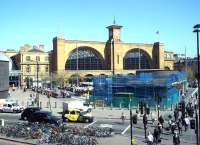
[[197, 30], [37, 65]]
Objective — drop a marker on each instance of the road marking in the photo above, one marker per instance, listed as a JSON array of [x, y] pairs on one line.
[[90, 124], [126, 129]]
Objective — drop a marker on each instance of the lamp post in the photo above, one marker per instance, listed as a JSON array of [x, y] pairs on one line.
[[37, 65], [131, 125], [197, 30]]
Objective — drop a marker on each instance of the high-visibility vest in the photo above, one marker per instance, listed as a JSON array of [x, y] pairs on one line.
[[134, 141]]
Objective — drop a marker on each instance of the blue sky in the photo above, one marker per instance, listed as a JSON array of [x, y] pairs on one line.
[[38, 21]]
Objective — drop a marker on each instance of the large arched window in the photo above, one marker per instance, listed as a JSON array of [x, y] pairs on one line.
[[85, 58], [137, 59]]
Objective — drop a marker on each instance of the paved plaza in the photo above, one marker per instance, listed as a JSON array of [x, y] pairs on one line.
[[106, 115]]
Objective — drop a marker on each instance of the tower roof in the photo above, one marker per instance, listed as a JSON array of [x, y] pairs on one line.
[[115, 26]]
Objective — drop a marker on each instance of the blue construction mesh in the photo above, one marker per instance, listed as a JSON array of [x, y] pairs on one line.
[[153, 88]]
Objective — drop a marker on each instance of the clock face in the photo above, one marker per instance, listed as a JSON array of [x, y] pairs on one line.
[[116, 33]]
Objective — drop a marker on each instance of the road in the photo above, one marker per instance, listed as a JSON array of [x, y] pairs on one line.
[[102, 117]]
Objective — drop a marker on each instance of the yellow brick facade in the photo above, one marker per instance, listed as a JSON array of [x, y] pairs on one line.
[[111, 52]]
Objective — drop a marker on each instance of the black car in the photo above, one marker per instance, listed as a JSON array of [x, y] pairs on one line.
[[28, 112], [45, 117]]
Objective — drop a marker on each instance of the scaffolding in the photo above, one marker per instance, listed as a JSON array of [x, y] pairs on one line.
[[153, 88]]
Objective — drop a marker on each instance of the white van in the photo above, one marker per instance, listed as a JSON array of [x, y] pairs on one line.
[[10, 106]]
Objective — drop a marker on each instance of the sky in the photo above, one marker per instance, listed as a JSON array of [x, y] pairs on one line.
[[39, 21]]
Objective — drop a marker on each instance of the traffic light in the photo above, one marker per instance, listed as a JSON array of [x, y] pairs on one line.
[[134, 119], [144, 119], [192, 124], [180, 106]]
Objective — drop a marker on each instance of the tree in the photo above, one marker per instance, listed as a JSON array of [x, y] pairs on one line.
[[60, 79], [190, 74]]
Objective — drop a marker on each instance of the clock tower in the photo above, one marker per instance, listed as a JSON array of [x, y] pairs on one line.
[[114, 32]]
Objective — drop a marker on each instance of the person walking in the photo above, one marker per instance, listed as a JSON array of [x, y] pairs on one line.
[[176, 114], [123, 117], [161, 120], [176, 139], [160, 128], [179, 125], [173, 127], [145, 124], [156, 135], [150, 139], [186, 123]]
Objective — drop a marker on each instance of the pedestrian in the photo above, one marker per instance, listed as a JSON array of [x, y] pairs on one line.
[[186, 123], [123, 117], [156, 135], [150, 139], [161, 120], [179, 124], [173, 127], [176, 114], [176, 139], [170, 123], [160, 128]]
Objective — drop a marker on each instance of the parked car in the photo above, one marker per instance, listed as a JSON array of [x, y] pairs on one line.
[[11, 106], [28, 112], [45, 117], [77, 115]]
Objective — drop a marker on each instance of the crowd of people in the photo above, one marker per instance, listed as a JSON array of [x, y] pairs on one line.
[[179, 121]]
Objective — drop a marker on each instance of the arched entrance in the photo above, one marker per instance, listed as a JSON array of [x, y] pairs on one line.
[[137, 59], [167, 68], [85, 58], [88, 77]]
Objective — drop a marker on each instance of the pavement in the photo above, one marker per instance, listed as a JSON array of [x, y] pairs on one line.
[[103, 116]]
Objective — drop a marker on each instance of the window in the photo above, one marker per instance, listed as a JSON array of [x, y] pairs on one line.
[[28, 58], [46, 58], [37, 58], [47, 68], [85, 58], [28, 68]]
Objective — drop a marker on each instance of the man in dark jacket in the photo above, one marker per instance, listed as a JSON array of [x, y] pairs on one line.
[[176, 139]]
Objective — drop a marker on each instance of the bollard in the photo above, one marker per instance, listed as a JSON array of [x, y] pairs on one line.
[[120, 106], [55, 104], [2, 122], [40, 104]]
